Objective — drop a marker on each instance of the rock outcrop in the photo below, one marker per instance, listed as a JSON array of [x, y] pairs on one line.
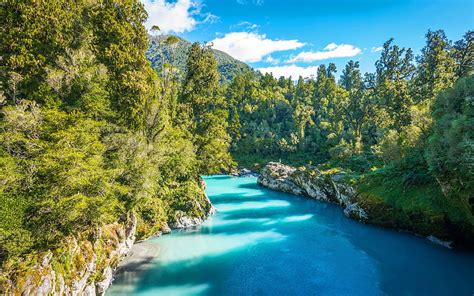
[[85, 266], [184, 221], [333, 186], [80, 267], [310, 182], [244, 173]]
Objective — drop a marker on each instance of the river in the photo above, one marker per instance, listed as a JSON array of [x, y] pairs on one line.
[[262, 242]]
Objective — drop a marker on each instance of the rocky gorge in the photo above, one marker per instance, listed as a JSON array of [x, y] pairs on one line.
[[85, 265]]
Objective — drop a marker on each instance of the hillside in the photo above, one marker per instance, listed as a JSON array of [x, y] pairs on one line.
[[176, 54]]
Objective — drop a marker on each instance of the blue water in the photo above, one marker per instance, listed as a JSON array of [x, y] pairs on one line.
[[263, 242]]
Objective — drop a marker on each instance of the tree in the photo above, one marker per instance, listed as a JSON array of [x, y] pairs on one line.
[[464, 55], [201, 95], [393, 71], [120, 43], [358, 104], [302, 116], [436, 67], [450, 152]]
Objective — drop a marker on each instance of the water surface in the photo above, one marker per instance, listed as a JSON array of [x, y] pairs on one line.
[[262, 242]]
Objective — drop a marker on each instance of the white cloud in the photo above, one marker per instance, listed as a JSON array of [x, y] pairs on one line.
[[332, 50], [377, 49], [290, 70], [251, 46], [176, 17], [272, 60]]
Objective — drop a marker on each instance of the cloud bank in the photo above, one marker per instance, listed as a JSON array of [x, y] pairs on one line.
[[176, 17], [331, 51], [251, 46]]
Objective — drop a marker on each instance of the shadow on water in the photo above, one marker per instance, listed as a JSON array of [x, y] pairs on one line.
[[208, 261], [137, 265], [253, 186], [269, 243], [184, 274], [234, 198]]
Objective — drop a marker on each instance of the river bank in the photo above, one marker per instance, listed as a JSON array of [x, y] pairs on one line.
[[85, 265], [335, 186], [260, 241]]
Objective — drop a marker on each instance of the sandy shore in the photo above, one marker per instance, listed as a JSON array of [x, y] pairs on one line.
[[140, 258]]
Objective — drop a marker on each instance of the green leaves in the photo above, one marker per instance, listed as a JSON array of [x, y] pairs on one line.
[[450, 152], [201, 94], [436, 67], [88, 131]]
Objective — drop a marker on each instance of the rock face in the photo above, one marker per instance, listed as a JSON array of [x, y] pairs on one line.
[[88, 264], [310, 182], [244, 173], [182, 220]]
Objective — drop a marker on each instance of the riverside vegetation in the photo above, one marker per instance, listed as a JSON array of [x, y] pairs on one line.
[[93, 139]]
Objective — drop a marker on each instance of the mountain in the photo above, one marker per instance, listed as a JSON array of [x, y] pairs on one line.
[[176, 52]]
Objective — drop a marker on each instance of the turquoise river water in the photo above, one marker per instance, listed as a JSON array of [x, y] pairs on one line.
[[262, 242]]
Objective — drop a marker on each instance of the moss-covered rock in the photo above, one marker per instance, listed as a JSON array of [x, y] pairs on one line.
[[81, 265], [84, 264], [365, 199], [309, 181]]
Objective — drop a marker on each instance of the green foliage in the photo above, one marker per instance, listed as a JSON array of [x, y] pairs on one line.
[[208, 114], [450, 152], [385, 114], [464, 55], [405, 195], [436, 66], [89, 133]]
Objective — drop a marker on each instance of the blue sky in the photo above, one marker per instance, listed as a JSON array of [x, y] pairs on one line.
[[293, 37]]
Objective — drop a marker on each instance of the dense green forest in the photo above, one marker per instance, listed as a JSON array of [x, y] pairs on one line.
[[90, 132], [382, 115], [405, 132]]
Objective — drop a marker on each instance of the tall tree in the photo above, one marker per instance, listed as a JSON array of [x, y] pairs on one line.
[[393, 71], [358, 104], [202, 97], [464, 54], [436, 67]]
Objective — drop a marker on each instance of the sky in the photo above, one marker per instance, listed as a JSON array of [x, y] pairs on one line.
[[294, 37]]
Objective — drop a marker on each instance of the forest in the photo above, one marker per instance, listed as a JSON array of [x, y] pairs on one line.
[[90, 133], [405, 133]]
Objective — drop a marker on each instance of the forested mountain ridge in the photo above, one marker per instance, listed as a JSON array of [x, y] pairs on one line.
[[173, 50]]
